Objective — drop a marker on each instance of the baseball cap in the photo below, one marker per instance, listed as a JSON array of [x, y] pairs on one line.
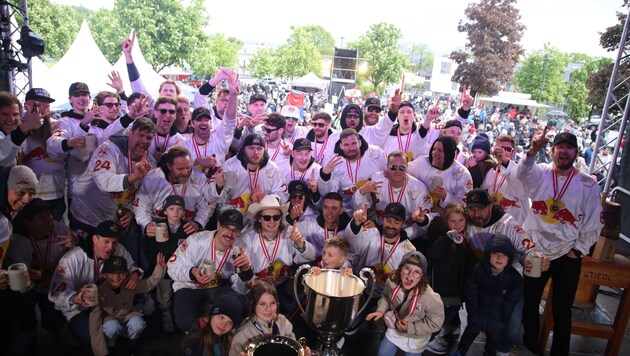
[[115, 264], [231, 217], [257, 97], [174, 200], [78, 87], [406, 103], [201, 112], [409, 258], [302, 143], [22, 178], [451, 123], [253, 140], [109, 228], [290, 111], [39, 94], [396, 211], [478, 198], [371, 102], [299, 187], [565, 137]]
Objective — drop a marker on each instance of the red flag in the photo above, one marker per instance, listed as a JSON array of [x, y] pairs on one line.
[[295, 99]]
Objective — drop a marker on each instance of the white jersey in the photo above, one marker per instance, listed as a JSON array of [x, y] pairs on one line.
[[565, 213], [412, 195], [8, 150], [275, 258], [103, 186], [268, 178], [218, 144], [276, 155], [408, 143], [371, 250], [348, 177], [162, 143], [298, 132], [155, 188], [291, 174], [508, 191], [456, 179], [313, 230], [51, 174], [192, 252], [75, 270]]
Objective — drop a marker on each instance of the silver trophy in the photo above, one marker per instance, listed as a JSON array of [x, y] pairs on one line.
[[332, 303]]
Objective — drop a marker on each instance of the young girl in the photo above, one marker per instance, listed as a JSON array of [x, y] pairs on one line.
[[480, 163], [412, 310], [448, 257], [265, 319], [212, 336]]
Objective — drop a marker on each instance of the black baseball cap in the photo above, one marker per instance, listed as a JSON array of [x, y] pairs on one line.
[[302, 143], [78, 87], [299, 187], [39, 94], [478, 198], [115, 264], [231, 217], [371, 102], [109, 228], [565, 137], [257, 97], [201, 112], [396, 211]]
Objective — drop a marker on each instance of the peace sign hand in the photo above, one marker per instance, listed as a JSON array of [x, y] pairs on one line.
[[257, 194], [334, 162]]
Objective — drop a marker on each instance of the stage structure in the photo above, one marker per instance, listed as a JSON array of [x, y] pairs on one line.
[[343, 73]]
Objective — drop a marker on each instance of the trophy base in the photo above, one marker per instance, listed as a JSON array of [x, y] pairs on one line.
[[328, 345]]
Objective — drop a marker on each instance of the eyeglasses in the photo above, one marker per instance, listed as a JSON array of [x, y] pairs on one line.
[[508, 149], [318, 124], [413, 272], [231, 231], [269, 217], [264, 305], [289, 118], [352, 116], [268, 130], [400, 168], [373, 109], [111, 105], [164, 111]]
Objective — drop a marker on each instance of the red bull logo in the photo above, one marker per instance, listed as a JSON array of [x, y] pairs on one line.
[[39, 153], [564, 216], [539, 207], [508, 203], [237, 203]]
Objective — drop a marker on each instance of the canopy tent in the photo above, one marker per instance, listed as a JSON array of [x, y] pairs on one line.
[[309, 83], [517, 99], [150, 78], [83, 62]]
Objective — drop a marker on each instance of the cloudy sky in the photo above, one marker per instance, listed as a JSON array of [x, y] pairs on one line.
[[569, 25]]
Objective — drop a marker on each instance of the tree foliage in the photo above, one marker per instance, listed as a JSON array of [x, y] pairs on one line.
[[420, 57], [494, 34], [379, 46], [550, 63], [322, 39], [262, 64], [577, 90], [298, 56]]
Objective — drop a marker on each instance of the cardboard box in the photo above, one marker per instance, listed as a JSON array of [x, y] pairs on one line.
[[605, 249]]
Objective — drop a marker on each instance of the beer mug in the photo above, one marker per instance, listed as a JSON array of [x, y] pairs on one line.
[[536, 261], [94, 293], [208, 268], [90, 142], [161, 233], [18, 277]]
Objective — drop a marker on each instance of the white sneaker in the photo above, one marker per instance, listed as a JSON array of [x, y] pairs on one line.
[[341, 342], [438, 345], [167, 322]]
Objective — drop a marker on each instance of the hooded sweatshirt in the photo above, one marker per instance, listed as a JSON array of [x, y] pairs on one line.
[[5, 214]]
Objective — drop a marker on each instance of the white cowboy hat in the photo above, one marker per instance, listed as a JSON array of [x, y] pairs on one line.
[[270, 201]]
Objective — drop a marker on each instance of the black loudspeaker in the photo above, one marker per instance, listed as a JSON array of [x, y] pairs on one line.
[[344, 65]]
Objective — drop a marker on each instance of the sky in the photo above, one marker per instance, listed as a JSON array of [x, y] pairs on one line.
[[569, 25]]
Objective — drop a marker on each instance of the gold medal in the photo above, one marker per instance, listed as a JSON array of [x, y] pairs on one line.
[[554, 207], [354, 189]]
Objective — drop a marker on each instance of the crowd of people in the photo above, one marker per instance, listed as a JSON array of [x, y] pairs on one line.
[[127, 200]]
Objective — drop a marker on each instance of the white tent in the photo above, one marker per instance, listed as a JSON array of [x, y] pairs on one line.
[[83, 62], [150, 78], [309, 83], [41, 72]]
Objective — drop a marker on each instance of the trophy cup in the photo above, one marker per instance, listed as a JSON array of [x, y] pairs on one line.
[[332, 303]]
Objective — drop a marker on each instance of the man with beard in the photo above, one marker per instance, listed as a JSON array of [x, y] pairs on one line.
[[564, 222], [106, 190], [11, 118], [277, 148], [371, 111], [320, 135], [81, 266], [331, 222], [394, 185], [195, 290], [174, 176], [292, 131], [349, 169], [255, 176], [165, 135], [448, 180]]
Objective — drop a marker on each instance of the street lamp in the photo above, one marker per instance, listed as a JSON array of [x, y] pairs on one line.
[[542, 87]]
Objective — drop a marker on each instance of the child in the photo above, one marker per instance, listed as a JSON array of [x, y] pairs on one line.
[[480, 163], [412, 310], [115, 314], [173, 210], [448, 258], [492, 290], [334, 256]]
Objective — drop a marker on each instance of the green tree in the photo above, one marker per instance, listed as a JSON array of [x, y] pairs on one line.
[[108, 37], [577, 90], [58, 25], [322, 39], [262, 64], [550, 63], [420, 57], [494, 34], [298, 56], [379, 46]]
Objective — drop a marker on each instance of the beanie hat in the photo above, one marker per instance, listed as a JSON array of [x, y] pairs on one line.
[[229, 305], [22, 178], [500, 243], [174, 200], [481, 143]]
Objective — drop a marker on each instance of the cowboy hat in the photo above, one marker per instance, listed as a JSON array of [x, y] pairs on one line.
[[270, 201]]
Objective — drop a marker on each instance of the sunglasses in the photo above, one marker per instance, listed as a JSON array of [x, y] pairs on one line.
[[400, 168], [318, 124], [111, 105], [352, 116], [164, 111], [508, 149], [289, 118], [269, 217], [268, 130], [373, 109]]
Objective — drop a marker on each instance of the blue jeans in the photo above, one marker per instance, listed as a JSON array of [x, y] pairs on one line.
[[388, 348], [134, 326]]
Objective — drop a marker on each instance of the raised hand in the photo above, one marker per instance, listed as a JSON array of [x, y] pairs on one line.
[[160, 260], [286, 148], [396, 100], [33, 118], [140, 169], [296, 236], [538, 142], [139, 108], [361, 216], [419, 216], [332, 163], [297, 210], [68, 240], [115, 81], [371, 186], [434, 112], [466, 100], [257, 194], [312, 181], [127, 45]]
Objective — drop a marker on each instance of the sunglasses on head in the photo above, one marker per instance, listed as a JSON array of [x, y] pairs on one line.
[[400, 168], [268, 130], [164, 111], [111, 105], [318, 124], [269, 217], [373, 109], [352, 116]]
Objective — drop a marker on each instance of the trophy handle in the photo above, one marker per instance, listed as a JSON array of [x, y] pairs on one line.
[[365, 280], [295, 284]]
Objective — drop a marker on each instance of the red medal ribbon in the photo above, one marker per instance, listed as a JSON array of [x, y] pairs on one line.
[[301, 175], [391, 252], [42, 261], [558, 195], [401, 194], [269, 257], [400, 145], [275, 154], [356, 172], [414, 301], [252, 185], [173, 188], [320, 156], [196, 147], [214, 256], [496, 176], [156, 140]]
